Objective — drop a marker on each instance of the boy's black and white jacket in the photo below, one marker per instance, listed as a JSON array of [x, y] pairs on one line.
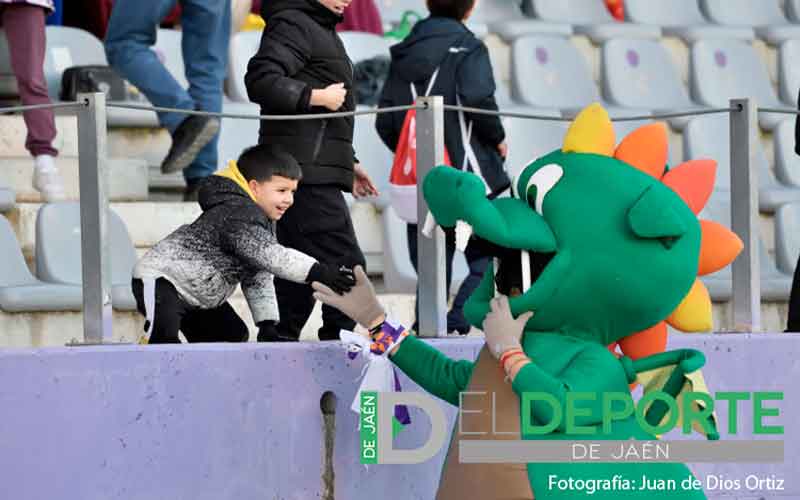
[[231, 242]]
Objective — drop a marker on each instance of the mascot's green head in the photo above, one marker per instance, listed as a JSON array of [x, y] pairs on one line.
[[599, 242]]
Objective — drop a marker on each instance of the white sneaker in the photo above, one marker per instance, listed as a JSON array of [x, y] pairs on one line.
[[47, 180]]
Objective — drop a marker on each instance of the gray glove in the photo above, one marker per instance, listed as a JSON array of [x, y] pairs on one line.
[[360, 303], [502, 331]]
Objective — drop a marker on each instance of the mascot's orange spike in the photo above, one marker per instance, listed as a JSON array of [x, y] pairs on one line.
[[693, 181], [646, 149], [590, 132], [719, 246], [693, 314], [646, 342]]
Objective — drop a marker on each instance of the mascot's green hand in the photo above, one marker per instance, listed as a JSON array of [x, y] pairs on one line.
[[502, 331]]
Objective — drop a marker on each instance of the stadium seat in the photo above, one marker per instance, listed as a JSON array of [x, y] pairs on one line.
[[7, 199], [20, 291], [775, 285], [591, 19], [787, 237], [58, 251], [763, 15], [550, 72], [236, 135], [67, 47], [728, 69], [709, 137], [398, 273], [789, 71], [639, 73], [683, 19], [374, 156], [787, 163], [362, 46], [531, 139], [793, 10], [243, 46]]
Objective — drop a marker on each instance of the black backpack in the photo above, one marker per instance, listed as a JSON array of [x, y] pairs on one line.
[[369, 76], [104, 79]]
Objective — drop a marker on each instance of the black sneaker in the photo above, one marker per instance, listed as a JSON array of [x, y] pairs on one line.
[[187, 141]]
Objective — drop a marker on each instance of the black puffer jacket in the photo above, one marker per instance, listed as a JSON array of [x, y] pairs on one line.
[[301, 51], [464, 66], [232, 241]]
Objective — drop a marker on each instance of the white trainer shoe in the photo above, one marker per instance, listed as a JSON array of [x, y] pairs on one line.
[[47, 180]]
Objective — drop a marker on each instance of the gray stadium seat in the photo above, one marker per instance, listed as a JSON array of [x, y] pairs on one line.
[[789, 71], [787, 237], [398, 273], [20, 291], [7, 199], [550, 72], [68, 47], [591, 19], [683, 19], [374, 156], [361, 46], [709, 137], [727, 69], [764, 15], [640, 74], [793, 10], [243, 46], [530, 139], [775, 285], [787, 163], [236, 135], [58, 251]]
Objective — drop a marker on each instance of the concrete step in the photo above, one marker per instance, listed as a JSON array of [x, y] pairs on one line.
[[23, 330], [148, 144], [13, 133], [128, 178], [149, 222]]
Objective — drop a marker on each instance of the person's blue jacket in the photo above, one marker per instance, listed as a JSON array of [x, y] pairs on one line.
[[465, 69]]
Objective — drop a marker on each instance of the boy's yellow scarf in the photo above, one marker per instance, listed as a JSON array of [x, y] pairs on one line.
[[232, 172]]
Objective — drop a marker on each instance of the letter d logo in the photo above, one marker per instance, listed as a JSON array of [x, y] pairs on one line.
[[386, 404]]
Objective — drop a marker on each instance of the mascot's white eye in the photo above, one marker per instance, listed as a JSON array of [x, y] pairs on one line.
[[543, 180]]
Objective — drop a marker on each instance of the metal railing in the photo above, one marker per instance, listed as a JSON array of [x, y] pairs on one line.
[[90, 110]]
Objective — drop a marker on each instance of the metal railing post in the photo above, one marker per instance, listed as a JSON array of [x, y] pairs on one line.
[[431, 279], [95, 258], [744, 216]]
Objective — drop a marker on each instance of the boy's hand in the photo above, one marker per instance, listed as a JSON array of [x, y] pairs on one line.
[[339, 280], [331, 97], [359, 304]]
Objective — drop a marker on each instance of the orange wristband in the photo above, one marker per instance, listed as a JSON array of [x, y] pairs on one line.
[[515, 363], [509, 354]]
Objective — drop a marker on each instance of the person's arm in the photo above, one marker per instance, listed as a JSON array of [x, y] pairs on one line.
[[285, 49], [259, 249], [389, 125], [476, 88]]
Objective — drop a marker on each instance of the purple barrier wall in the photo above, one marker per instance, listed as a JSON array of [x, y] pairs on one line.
[[243, 421]]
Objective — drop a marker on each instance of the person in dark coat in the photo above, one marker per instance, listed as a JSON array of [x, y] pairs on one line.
[[302, 67], [443, 41], [793, 320]]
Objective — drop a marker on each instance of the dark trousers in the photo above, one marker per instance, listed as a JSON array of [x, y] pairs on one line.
[[318, 224], [477, 262], [171, 314], [793, 322]]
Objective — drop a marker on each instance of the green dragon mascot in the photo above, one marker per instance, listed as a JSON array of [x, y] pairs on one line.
[[596, 251]]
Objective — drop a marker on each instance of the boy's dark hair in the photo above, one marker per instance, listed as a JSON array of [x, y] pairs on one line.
[[265, 160], [455, 9]]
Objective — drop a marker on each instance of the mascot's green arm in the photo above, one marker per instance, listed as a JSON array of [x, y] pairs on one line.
[[441, 376]]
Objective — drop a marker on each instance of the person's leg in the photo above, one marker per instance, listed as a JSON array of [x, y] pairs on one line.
[[169, 310], [131, 34], [478, 264], [450, 247], [220, 324], [793, 321], [206, 26], [25, 30]]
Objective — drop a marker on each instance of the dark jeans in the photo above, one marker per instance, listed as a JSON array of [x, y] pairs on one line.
[[171, 314], [318, 224], [205, 31], [477, 262]]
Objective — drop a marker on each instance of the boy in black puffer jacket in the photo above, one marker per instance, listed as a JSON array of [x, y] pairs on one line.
[[302, 67], [465, 75], [184, 282]]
